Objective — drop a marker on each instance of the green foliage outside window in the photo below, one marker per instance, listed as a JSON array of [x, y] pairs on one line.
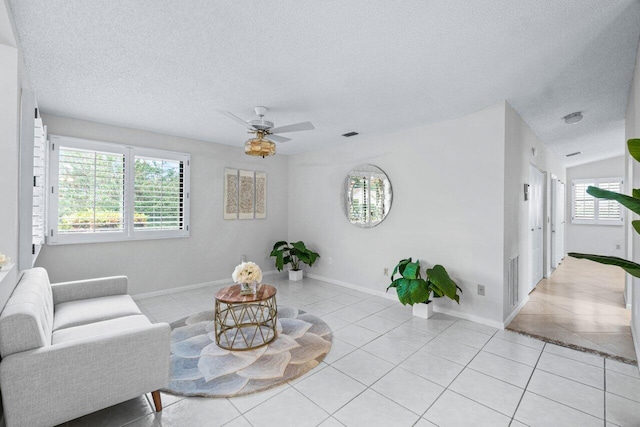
[[91, 192]]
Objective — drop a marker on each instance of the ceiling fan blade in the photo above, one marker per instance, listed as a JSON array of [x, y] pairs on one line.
[[235, 118], [293, 128], [277, 138]]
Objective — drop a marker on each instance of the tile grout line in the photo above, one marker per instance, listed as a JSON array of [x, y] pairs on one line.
[[513, 418], [369, 387], [420, 416], [604, 395], [456, 377]]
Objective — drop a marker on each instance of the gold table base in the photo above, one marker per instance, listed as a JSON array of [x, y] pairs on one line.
[[243, 326]]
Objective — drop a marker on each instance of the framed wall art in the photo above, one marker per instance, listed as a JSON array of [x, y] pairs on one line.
[[261, 195], [246, 200], [245, 194], [231, 190]]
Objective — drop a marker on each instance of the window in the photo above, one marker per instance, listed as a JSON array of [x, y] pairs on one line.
[[103, 192], [590, 210]]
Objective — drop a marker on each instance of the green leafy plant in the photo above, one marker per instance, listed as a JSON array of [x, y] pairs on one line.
[[630, 202], [294, 254], [411, 288]]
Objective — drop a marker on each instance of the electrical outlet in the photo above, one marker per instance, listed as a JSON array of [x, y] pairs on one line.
[[243, 258], [330, 260], [481, 290], [618, 247], [386, 271]]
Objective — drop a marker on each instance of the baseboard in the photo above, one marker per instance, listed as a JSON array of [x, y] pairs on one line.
[[470, 317], [454, 313], [636, 342], [354, 287], [515, 312], [190, 287]]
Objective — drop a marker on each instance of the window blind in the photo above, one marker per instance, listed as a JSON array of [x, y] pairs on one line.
[[610, 210], [159, 194], [584, 203], [358, 194], [103, 192], [590, 210], [39, 184], [90, 191]]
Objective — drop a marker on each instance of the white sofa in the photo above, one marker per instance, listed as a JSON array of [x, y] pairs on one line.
[[69, 349]]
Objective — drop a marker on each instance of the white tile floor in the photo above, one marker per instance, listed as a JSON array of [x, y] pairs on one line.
[[387, 368]]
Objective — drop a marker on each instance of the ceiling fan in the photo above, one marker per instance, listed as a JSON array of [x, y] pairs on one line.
[[265, 132]]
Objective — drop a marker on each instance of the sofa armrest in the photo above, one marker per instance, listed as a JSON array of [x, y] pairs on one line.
[[75, 378], [91, 288]]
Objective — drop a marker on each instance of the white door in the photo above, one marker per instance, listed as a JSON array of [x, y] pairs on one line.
[[536, 208], [557, 222], [560, 221], [554, 221]]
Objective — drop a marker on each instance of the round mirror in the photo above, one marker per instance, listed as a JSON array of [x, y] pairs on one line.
[[368, 196]]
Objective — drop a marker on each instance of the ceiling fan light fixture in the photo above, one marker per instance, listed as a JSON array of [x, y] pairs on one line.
[[573, 118], [259, 147]]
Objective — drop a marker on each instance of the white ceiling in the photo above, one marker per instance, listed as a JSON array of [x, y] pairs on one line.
[[372, 66]]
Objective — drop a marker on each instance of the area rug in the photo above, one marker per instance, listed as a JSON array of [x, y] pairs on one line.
[[200, 368]]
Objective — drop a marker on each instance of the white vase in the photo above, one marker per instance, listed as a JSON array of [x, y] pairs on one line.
[[295, 275], [423, 310]]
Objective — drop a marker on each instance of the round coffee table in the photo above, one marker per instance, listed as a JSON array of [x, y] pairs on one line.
[[245, 322]]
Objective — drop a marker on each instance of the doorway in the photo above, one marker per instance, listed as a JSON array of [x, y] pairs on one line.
[[536, 215]]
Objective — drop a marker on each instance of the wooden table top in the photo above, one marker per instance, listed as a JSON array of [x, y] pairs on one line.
[[232, 294]]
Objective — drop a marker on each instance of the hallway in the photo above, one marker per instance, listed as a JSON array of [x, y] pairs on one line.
[[581, 304]]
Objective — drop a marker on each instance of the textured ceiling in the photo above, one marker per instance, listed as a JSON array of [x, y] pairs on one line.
[[371, 66]]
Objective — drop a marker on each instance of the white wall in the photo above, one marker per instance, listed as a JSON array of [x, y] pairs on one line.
[[595, 239], [632, 130], [519, 142], [448, 197], [214, 247], [9, 160], [12, 78]]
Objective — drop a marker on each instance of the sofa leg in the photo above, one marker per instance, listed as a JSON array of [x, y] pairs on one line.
[[156, 400]]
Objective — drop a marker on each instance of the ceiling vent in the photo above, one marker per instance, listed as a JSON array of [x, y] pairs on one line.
[[573, 154], [349, 134]]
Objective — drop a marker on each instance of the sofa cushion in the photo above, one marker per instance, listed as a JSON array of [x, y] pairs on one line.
[[82, 312], [95, 329], [27, 319]]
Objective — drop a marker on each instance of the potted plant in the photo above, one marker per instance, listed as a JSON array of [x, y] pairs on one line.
[[412, 289], [294, 254]]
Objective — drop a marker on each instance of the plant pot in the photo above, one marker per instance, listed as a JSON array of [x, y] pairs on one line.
[[295, 275], [423, 310]]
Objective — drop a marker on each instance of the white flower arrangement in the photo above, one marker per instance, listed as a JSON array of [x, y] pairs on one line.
[[247, 272]]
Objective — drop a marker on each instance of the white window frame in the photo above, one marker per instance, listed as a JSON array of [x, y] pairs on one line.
[[130, 153], [595, 182]]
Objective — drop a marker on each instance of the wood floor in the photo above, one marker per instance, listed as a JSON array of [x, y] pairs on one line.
[[582, 304]]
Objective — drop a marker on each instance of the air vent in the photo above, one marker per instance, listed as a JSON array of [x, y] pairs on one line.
[[573, 154], [349, 134]]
